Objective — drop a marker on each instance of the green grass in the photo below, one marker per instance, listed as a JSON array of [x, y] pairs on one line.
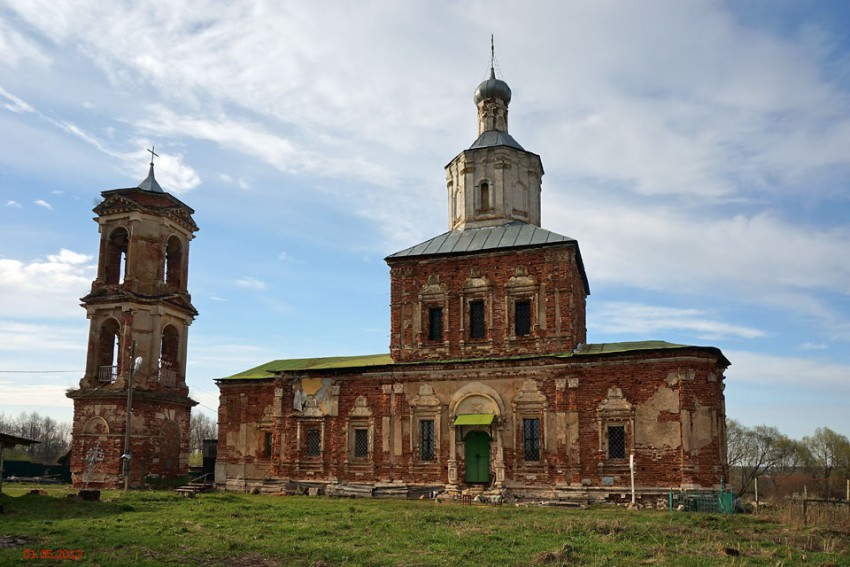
[[161, 528]]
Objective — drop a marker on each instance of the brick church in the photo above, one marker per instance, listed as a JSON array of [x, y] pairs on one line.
[[490, 382]]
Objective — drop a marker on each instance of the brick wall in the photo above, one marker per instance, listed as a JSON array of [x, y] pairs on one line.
[[670, 405], [547, 276], [159, 440]]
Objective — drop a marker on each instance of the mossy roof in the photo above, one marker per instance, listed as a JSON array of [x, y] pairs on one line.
[[265, 371]]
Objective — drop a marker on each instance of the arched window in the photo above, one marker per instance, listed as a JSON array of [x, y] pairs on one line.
[[108, 351], [115, 267], [173, 271], [485, 196], [169, 349]]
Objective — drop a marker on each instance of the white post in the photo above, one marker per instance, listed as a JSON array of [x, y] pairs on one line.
[[632, 469]]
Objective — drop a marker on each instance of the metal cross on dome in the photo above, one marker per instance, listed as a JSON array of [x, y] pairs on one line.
[[153, 153]]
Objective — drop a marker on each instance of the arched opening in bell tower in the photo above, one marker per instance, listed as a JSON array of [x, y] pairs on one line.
[[108, 351], [168, 357], [115, 259], [173, 271]]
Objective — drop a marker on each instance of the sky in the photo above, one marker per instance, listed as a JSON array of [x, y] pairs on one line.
[[699, 152]]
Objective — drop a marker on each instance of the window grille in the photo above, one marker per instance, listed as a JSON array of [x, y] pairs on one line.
[[522, 319], [476, 319], [107, 373], [531, 439], [435, 324], [314, 443], [616, 442], [361, 443], [426, 440]]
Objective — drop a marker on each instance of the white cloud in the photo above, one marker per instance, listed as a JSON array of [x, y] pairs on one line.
[[12, 103], [48, 288], [70, 257], [14, 204], [256, 140], [251, 283], [17, 49], [16, 337], [772, 371], [43, 203], [759, 257], [19, 393], [649, 320]]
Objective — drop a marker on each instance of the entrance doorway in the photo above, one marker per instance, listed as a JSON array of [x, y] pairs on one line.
[[477, 445]]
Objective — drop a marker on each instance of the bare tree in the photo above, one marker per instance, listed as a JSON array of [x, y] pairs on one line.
[[830, 453], [200, 427], [755, 451], [54, 437]]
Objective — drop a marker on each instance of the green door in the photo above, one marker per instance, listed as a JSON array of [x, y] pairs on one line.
[[477, 445]]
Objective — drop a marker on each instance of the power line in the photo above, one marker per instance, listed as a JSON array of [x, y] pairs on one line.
[[39, 371]]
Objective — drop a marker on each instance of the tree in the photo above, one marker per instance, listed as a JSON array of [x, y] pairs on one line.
[[53, 437], [830, 453], [200, 427], [755, 451]]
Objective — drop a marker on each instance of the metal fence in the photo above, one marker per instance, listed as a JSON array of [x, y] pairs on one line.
[[714, 502]]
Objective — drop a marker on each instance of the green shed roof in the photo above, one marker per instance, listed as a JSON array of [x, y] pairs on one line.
[[474, 419], [363, 361]]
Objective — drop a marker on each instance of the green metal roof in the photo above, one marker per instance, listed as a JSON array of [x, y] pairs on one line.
[[605, 348], [325, 363], [511, 235], [364, 361], [515, 234]]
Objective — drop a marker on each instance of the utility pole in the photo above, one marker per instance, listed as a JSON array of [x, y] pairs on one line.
[[127, 456]]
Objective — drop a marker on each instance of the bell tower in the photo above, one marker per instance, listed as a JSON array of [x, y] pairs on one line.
[[496, 180], [139, 310]]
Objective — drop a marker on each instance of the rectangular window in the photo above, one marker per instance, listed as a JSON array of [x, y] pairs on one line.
[[476, 319], [361, 443], [314, 443], [616, 442], [435, 324], [531, 439], [426, 440], [522, 318]]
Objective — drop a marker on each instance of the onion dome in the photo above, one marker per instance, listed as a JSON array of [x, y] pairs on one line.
[[493, 88]]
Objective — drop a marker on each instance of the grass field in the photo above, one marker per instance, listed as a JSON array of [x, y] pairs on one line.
[[161, 528]]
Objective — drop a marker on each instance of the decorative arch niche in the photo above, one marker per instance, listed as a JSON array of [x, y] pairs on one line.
[[96, 426]]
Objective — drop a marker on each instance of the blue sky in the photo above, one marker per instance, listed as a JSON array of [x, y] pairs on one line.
[[699, 151]]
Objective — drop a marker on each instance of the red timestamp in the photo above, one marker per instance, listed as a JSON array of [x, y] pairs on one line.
[[60, 554]]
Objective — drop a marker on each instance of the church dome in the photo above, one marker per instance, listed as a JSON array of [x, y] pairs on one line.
[[493, 88]]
